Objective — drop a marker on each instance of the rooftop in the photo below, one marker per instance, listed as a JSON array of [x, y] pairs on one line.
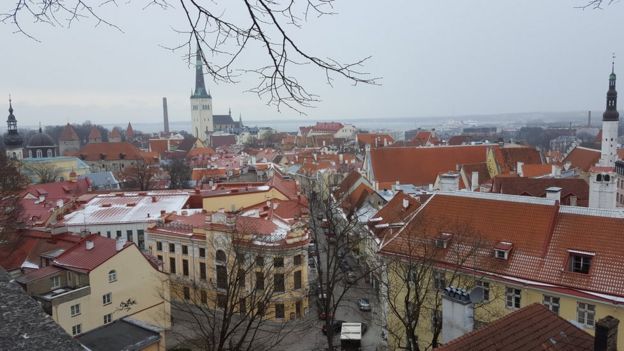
[[121, 335]]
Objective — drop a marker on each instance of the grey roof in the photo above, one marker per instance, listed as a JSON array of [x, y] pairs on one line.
[[222, 119], [119, 335], [103, 180], [24, 325]]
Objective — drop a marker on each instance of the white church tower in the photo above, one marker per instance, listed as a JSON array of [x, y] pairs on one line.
[[201, 103], [603, 179]]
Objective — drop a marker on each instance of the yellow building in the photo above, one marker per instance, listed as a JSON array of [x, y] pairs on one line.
[[98, 281], [62, 168], [239, 259], [520, 250]]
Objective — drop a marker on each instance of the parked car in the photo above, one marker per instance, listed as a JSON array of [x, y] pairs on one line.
[[336, 327], [364, 304], [350, 277]]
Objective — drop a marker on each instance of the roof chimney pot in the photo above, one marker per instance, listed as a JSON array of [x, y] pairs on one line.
[[89, 245]]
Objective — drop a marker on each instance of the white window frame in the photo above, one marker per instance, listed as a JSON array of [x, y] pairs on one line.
[[77, 329], [486, 289], [112, 276], [583, 313], [439, 279], [513, 298], [552, 302], [107, 299], [55, 282], [74, 310], [108, 318]]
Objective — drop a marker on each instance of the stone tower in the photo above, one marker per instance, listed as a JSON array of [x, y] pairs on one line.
[[13, 142], [69, 141], [201, 103]]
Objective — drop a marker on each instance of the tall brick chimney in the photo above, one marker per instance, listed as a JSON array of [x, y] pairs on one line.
[[606, 334]]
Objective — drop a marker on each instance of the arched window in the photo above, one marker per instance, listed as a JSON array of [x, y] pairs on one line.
[[112, 276], [606, 178], [29, 153], [221, 258], [50, 153], [39, 154], [599, 178]]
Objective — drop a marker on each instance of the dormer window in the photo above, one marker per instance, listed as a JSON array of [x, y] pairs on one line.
[[580, 261], [441, 242], [502, 250]]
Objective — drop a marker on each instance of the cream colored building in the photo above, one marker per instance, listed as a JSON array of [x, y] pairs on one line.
[[97, 281]]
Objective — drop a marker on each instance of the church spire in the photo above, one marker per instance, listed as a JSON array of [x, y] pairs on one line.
[[200, 86], [611, 113]]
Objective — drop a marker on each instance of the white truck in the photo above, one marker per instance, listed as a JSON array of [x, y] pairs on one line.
[[351, 336]]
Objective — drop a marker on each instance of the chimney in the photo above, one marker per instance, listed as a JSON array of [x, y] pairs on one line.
[[519, 168], [606, 334], [119, 243], [449, 182], [153, 198], [474, 182], [554, 193], [457, 313], [89, 244], [405, 203], [165, 115], [589, 119], [341, 158], [385, 141]]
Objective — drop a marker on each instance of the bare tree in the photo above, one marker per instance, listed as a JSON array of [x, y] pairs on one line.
[[225, 38], [141, 176], [45, 173], [179, 173], [336, 235], [12, 183], [433, 256]]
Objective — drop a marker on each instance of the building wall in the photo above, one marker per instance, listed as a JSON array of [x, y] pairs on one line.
[[110, 165], [110, 230], [603, 193], [201, 117], [231, 202], [68, 146], [142, 284]]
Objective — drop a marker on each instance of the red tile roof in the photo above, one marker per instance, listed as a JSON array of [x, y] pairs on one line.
[[421, 165], [394, 211], [110, 151], [115, 133], [200, 152], [129, 131], [38, 212], [328, 126], [222, 140], [208, 173], [537, 187], [347, 183], [482, 171], [95, 134], [459, 140], [356, 198], [582, 158], [507, 158], [530, 328], [425, 137], [374, 139], [159, 146], [536, 170], [78, 258], [69, 134]]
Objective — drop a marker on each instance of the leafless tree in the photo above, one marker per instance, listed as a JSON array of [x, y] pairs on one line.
[[434, 254], [141, 176], [44, 173], [336, 235], [225, 38], [596, 4], [12, 183], [232, 312]]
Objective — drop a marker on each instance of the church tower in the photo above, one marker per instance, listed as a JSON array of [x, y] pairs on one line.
[[201, 103], [603, 179], [13, 142]]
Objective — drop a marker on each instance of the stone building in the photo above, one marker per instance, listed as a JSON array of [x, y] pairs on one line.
[[69, 141], [41, 145], [13, 142]]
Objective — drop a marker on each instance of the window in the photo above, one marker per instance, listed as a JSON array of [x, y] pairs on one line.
[[202, 252], [278, 262], [221, 277], [49, 153], [187, 293], [118, 233], [278, 282], [172, 265], [158, 246], [141, 238], [129, 235], [297, 276], [75, 310], [108, 318], [297, 260], [107, 299], [486, 289], [259, 261], [221, 301], [439, 280], [220, 256], [279, 310], [77, 329], [585, 314], [172, 248], [195, 107], [259, 281], [512, 298], [580, 263], [502, 254], [184, 250], [55, 282], [160, 258], [39, 154], [552, 303], [203, 295], [185, 269], [202, 271], [108, 234], [112, 276]]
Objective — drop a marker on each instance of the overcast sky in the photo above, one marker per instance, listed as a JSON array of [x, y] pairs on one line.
[[437, 58]]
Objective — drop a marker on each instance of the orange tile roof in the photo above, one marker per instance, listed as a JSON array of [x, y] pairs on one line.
[[421, 165], [582, 158], [95, 134], [69, 134], [159, 146], [200, 173], [393, 212], [537, 187], [533, 327], [536, 170], [357, 197], [374, 139], [507, 158], [111, 151], [129, 131], [346, 184]]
